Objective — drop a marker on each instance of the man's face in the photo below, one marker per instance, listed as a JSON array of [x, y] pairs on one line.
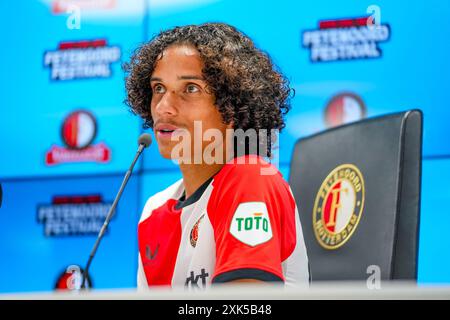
[[180, 97]]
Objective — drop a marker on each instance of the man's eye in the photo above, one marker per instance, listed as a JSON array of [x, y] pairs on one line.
[[158, 89], [191, 88]]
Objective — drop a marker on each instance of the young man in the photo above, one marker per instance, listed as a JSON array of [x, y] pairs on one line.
[[231, 217]]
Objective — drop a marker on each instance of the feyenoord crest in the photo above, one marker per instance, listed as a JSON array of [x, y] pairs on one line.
[[338, 206], [194, 232]]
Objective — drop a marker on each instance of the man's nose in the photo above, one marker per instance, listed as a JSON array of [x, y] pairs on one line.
[[167, 104]]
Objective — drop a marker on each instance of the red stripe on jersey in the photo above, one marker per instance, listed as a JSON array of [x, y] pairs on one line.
[[240, 183], [159, 239]]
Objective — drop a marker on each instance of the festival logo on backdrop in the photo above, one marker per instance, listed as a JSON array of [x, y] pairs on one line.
[[78, 131], [74, 215], [346, 39], [86, 59]]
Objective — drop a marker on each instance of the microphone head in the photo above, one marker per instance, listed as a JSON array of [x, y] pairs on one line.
[[145, 139]]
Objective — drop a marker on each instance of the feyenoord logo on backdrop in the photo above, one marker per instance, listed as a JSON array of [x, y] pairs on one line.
[[81, 60], [71, 279], [78, 132], [338, 206], [79, 129], [344, 108], [346, 39]]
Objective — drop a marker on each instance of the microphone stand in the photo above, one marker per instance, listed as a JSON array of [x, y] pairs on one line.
[[111, 213]]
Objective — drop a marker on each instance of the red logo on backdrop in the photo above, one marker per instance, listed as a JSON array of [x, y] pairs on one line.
[[62, 6], [71, 279], [78, 131], [344, 108]]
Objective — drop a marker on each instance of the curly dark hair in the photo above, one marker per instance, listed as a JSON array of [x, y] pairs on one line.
[[248, 89]]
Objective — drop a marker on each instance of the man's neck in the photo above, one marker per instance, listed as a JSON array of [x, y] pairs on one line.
[[194, 175]]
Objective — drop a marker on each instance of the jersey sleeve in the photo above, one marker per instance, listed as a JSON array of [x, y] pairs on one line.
[[253, 216]]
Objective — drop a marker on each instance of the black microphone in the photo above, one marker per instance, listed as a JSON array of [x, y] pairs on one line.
[[144, 141]]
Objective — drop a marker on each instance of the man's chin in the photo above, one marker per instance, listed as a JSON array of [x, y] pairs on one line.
[[176, 160], [165, 152]]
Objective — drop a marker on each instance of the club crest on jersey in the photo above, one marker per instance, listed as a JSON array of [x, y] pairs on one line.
[[338, 206], [194, 232], [251, 223]]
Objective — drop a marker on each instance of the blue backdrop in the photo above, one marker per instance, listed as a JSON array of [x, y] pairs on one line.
[[62, 83]]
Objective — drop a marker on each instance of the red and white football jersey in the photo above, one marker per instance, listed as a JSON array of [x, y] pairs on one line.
[[241, 223]]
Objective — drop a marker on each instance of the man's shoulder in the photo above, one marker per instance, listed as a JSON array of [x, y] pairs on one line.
[[251, 168], [158, 199], [249, 178]]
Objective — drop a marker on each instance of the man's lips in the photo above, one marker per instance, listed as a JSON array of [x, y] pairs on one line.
[[165, 130]]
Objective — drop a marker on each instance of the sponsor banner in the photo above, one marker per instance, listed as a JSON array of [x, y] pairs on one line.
[[251, 223]]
